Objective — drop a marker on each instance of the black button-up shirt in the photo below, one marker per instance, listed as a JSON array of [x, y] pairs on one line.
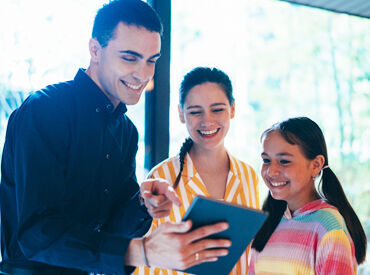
[[68, 190]]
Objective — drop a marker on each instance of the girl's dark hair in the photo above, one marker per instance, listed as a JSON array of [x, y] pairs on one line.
[[129, 12], [305, 133], [193, 78]]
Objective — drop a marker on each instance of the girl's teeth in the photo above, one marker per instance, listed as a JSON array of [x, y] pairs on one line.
[[278, 183]]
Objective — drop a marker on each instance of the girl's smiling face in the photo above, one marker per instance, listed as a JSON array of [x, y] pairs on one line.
[[287, 172]]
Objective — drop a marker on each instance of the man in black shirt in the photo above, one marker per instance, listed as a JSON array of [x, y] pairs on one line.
[[69, 197]]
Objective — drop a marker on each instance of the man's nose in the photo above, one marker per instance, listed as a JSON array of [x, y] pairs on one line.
[[143, 72]]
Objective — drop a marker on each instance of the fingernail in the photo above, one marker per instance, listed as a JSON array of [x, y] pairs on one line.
[[224, 253]]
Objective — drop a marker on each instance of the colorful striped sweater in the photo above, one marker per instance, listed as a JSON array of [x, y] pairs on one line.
[[241, 188], [313, 240]]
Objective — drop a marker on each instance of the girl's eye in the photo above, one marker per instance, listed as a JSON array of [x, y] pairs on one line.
[[265, 160]]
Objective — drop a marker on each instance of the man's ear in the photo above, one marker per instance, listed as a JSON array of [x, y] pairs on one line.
[[232, 114], [95, 50], [318, 163], [181, 114]]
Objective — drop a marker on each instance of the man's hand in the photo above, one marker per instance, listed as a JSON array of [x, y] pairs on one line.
[[158, 197], [171, 246]]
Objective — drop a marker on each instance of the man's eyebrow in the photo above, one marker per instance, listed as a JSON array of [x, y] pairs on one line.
[[157, 55], [132, 53]]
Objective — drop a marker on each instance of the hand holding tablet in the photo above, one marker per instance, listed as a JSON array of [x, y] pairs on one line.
[[243, 222]]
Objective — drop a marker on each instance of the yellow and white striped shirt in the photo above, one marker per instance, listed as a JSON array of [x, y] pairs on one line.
[[241, 188]]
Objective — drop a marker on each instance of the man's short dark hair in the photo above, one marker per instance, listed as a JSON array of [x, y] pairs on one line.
[[130, 12]]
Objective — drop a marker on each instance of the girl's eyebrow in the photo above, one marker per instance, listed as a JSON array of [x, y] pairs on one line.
[[283, 154]]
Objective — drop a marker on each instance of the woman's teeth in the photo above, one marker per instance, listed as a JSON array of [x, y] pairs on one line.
[[208, 133], [278, 183]]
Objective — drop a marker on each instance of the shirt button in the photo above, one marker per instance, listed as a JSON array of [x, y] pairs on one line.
[[106, 191], [98, 230], [107, 156], [97, 110], [109, 107]]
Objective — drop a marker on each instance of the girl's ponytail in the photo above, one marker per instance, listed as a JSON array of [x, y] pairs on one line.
[[332, 190]]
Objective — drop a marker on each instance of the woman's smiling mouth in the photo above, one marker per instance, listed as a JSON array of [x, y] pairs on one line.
[[208, 133]]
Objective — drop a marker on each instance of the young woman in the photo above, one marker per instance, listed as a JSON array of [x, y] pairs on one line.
[[310, 230], [203, 166]]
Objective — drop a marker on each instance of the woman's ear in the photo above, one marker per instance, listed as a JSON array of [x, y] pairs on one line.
[[318, 163], [94, 48], [232, 114], [181, 114]]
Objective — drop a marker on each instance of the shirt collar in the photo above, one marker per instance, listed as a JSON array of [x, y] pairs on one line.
[[307, 209], [195, 185], [95, 99]]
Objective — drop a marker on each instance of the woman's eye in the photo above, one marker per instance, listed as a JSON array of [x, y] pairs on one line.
[[217, 110], [194, 113], [284, 161], [265, 160]]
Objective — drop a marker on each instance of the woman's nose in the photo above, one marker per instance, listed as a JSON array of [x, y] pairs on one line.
[[207, 120]]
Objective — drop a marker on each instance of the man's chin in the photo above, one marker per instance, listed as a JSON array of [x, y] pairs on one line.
[[131, 101]]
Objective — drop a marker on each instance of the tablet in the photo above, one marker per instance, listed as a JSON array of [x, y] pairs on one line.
[[244, 224]]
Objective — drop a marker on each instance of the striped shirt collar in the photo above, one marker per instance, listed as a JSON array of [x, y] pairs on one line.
[[196, 186]]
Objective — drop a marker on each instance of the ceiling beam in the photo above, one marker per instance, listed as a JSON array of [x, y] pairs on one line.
[[359, 8]]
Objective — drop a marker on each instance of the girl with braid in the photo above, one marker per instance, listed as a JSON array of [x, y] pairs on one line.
[[310, 230], [203, 165]]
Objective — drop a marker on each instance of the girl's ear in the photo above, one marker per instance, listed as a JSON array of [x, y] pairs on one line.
[[181, 114], [232, 111], [318, 163], [94, 48]]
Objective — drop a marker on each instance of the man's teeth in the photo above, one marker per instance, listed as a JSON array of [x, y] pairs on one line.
[[132, 86], [278, 183], [208, 133]]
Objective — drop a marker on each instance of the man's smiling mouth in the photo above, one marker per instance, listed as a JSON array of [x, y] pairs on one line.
[[132, 86]]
